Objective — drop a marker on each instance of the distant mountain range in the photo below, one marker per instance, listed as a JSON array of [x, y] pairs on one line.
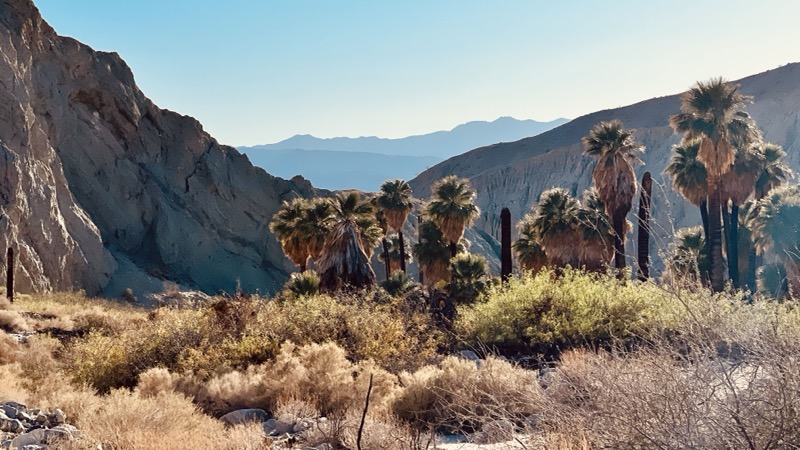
[[365, 162]]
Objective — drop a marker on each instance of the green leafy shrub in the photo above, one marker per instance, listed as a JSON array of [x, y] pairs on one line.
[[545, 313]]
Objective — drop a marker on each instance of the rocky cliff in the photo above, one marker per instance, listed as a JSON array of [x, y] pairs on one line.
[[102, 190], [514, 174]]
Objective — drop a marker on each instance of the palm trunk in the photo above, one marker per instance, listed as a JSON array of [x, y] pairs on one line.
[[419, 264], [715, 240], [726, 233], [386, 261], [733, 245], [302, 267], [505, 244], [402, 251], [704, 217], [453, 249], [619, 244], [752, 264], [643, 244]]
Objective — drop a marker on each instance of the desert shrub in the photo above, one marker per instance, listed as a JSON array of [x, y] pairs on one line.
[[9, 349], [13, 321], [459, 394], [386, 333], [545, 313]]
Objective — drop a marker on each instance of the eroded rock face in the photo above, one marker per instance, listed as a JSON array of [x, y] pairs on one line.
[[92, 171]]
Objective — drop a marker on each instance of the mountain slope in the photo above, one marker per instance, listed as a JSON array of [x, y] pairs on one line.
[[102, 190], [514, 174]]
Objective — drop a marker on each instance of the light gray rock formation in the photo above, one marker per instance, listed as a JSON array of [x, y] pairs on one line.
[[92, 172]]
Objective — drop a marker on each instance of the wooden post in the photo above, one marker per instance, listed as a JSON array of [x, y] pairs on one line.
[[644, 227], [505, 244], [10, 275]]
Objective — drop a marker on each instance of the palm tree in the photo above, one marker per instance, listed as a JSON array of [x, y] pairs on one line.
[[613, 176], [469, 278], [380, 220], [689, 177], [735, 187], [689, 257], [554, 221], [594, 232], [432, 253], [776, 230], [530, 253], [711, 113], [393, 252], [395, 200], [316, 223], [775, 173], [286, 225], [344, 261], [452, 208]]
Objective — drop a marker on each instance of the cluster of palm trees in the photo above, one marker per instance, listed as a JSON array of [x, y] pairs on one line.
[[340, 233], [588, 232], [723, 166]]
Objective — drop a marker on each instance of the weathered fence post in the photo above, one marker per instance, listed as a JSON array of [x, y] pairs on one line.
[[644, 227], [10, 274], [505, 244]]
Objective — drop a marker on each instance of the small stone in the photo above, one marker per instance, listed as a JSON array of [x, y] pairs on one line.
[[40, 418], [12, 426], [33, 447], [57, 434], [302, 425], [71, 429], [274, 427], [244, 416], [469, 355], [59, 416], [34, 437]]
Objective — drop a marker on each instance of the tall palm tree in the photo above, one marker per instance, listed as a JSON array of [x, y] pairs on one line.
[[711, 112], [689, 177], [530, 253], [432, 253], [286, 225], [554, 221], [736, 185], [344, 260], [613, 176], [396, 202], [452, 208]]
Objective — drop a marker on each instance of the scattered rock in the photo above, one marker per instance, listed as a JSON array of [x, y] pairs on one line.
[[30, 429], [274, 427], [244, 416]]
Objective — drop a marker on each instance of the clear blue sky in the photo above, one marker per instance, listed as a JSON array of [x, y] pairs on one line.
[[259, 71]]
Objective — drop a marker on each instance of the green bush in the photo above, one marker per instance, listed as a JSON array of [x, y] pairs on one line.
[[547, 313]]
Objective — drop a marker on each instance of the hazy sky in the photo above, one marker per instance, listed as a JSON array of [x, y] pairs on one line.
[[259, 71]]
